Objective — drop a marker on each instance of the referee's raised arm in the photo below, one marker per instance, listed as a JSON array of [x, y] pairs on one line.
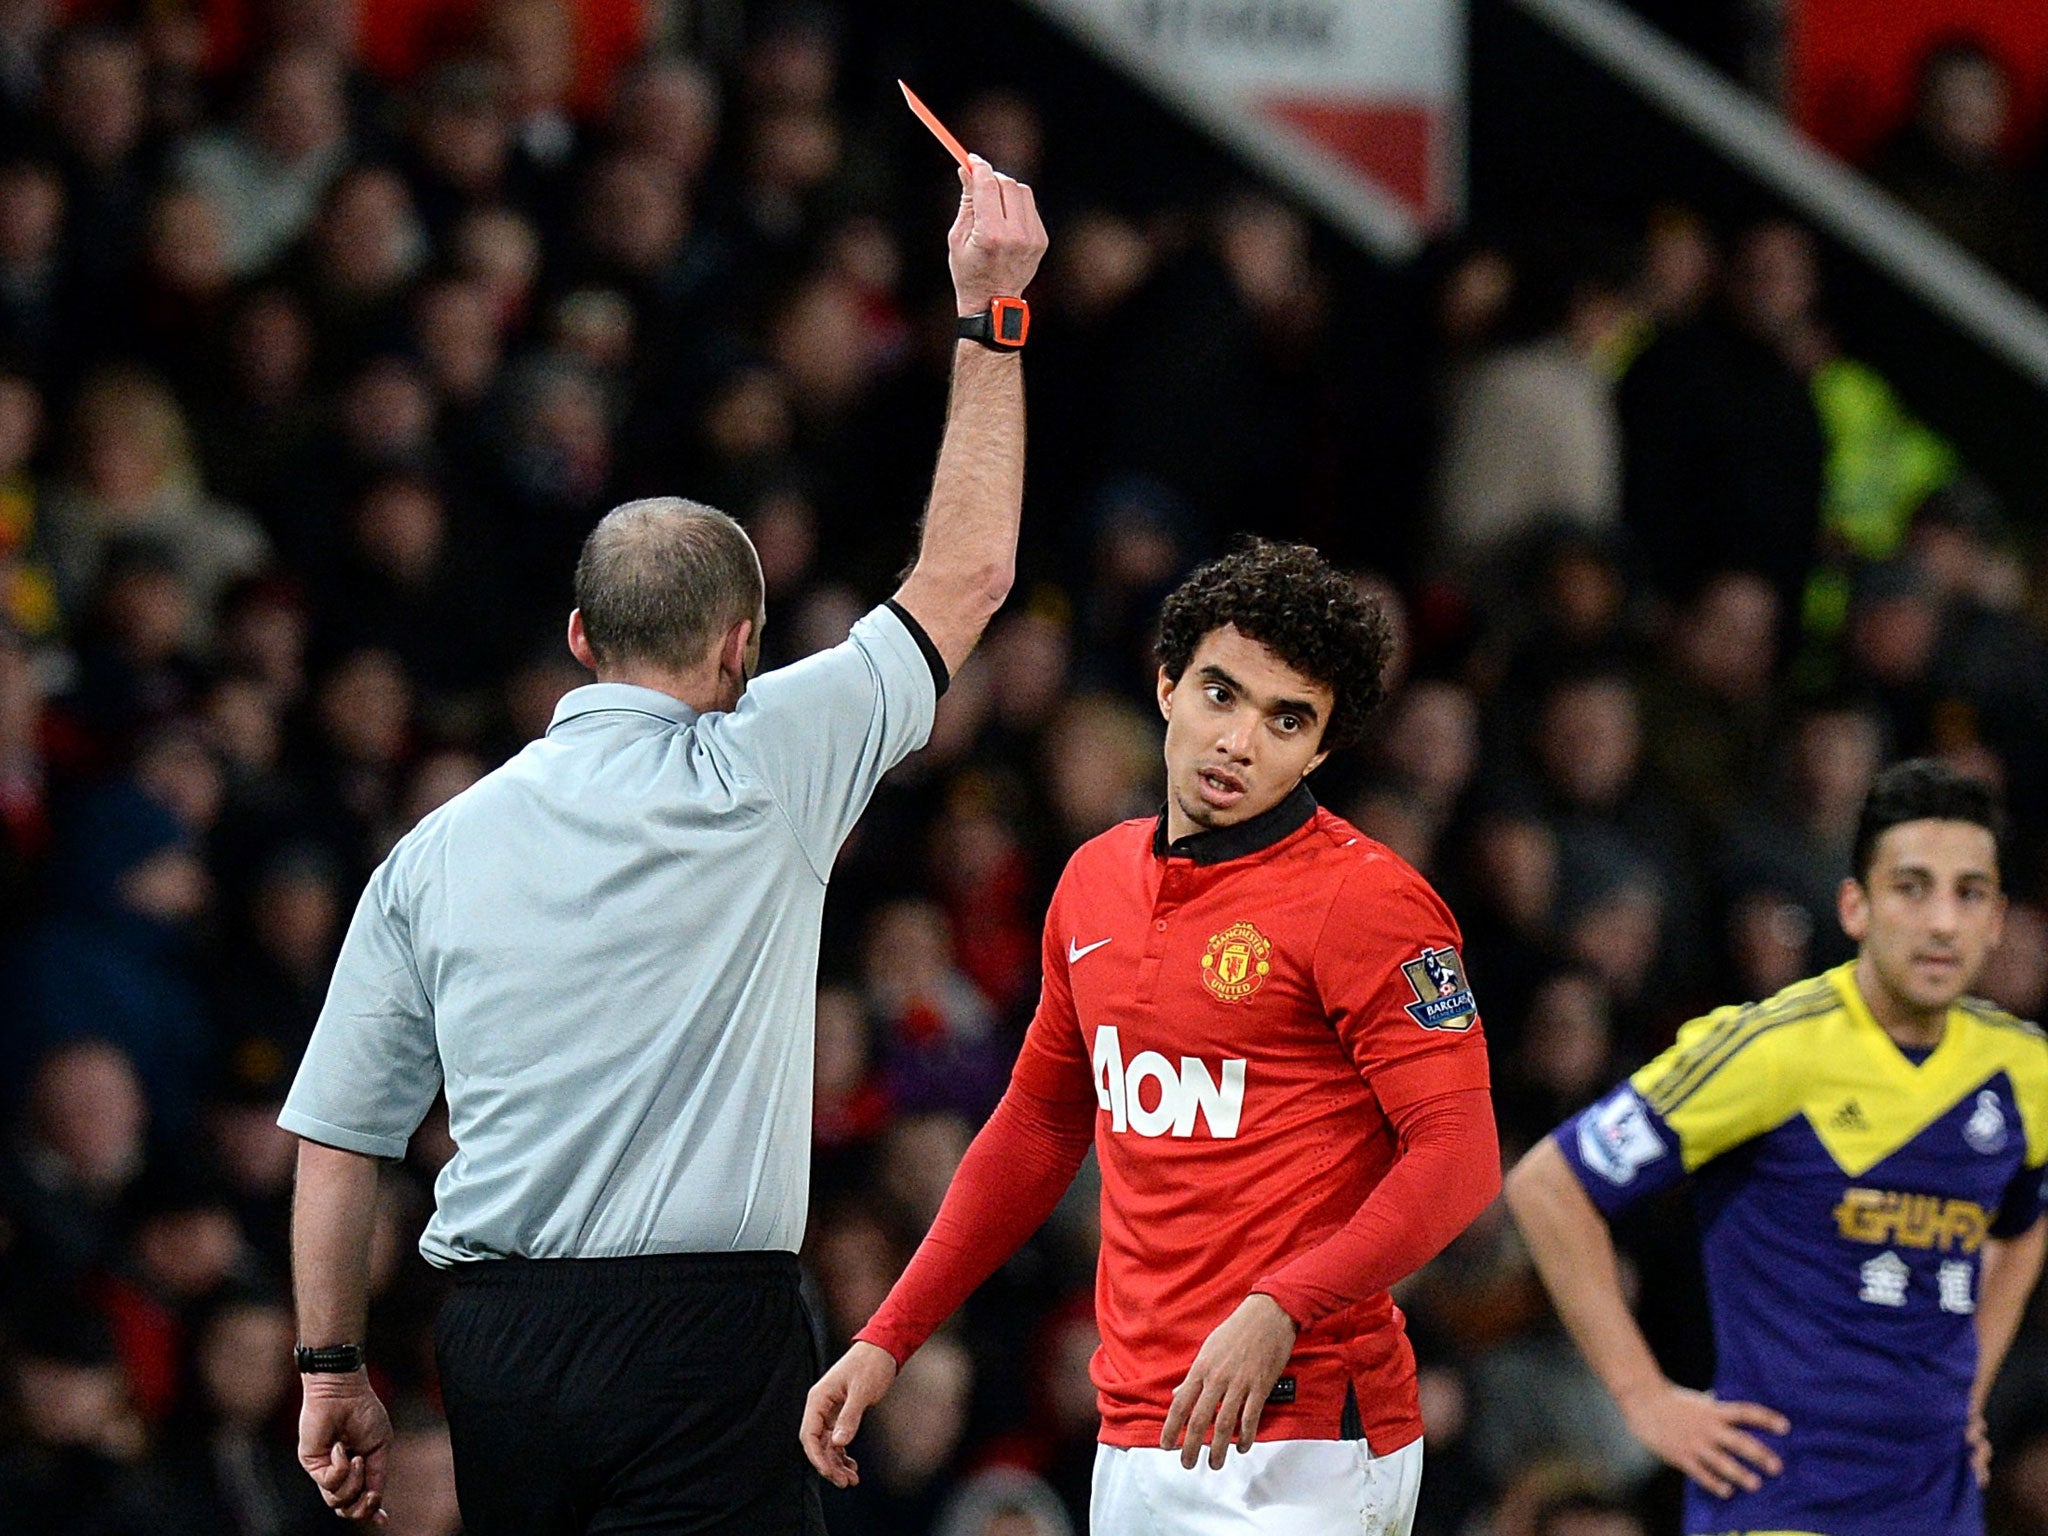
[[606, 952], [967, 554]]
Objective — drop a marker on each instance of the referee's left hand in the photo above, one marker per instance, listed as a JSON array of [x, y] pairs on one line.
[[1226, 1388], [344, 1438]]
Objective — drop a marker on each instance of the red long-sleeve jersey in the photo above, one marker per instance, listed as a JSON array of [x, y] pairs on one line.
[[1267, 1035]]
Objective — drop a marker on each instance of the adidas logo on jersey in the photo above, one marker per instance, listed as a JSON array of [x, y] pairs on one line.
[[1183, 1093], [1849, 1118]]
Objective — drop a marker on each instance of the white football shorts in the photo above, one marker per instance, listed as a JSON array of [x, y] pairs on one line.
[[1277, 1488]]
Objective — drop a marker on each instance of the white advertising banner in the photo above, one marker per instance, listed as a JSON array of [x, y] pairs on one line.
[[1356, 105]]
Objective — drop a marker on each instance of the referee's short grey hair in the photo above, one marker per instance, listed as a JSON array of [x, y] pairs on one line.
[[660, 579]]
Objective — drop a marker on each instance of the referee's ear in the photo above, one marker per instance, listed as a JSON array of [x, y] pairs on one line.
[[738, 653], [579, 641]]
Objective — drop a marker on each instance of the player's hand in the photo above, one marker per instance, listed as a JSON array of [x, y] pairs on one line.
[[996, 241], [1226, 1388], [1704, 1437], [832, 1413], [344, 1436], [1979, 1437]]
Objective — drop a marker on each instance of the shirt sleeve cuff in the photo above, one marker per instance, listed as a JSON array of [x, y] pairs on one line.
[[340, 1136], [1288, 1298], [1425, 1077], [941, 679], [899, 1349]]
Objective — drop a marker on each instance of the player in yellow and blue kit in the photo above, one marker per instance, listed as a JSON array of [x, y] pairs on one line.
[[1866, 1151]]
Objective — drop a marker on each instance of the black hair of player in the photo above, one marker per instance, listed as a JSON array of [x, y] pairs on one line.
[[1302, 609], [1921, 789]]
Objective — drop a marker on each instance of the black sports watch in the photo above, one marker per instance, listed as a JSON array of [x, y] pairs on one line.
[[329, 1360], [1001, 327]]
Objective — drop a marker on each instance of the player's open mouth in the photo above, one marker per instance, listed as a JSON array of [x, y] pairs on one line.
[[1220, 790]]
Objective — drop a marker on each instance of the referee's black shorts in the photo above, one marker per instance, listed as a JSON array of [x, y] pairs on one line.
[[659, 1394]]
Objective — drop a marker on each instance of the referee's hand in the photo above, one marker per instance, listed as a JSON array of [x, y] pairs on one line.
[[832, 1413], [996, 241], [344, 1437]]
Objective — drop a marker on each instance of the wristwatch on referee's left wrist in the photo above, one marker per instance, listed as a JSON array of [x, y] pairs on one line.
[[329, 1359], [1001, 327]]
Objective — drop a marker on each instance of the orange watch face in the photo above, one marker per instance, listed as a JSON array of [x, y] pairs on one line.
[[1010, 319]]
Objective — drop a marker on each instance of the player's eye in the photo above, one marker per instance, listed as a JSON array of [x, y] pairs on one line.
[[1287, 725], [1217, 693]]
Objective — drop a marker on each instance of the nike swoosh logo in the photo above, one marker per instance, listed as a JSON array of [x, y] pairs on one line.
[[1076, 951]]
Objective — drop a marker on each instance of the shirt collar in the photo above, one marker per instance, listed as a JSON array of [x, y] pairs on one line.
[[619, 698], [1247, 837], [1844, 978]]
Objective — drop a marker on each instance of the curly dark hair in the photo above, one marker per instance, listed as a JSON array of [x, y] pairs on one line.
[[1302, 609]]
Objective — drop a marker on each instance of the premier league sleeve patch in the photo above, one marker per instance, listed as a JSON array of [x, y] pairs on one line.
[[1443, 999], [1616, 1138]]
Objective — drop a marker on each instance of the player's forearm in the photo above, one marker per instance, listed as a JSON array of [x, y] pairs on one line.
[[967, 554], [2012, 1266], [1448, 1172], [1007, 1184], [1574, 1253], [334, 1207]]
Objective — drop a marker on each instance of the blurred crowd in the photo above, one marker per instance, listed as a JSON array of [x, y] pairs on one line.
[[320, 351], [1966, 164]]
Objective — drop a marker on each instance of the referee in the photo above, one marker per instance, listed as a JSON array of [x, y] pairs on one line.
[[606, 952]]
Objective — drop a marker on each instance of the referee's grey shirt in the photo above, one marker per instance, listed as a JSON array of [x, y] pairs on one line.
[[607, 951]]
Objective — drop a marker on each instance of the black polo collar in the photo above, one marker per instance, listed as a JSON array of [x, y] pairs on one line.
[[1247, 837]]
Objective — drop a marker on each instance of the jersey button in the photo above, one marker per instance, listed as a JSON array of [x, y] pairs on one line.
[[1160, 925]]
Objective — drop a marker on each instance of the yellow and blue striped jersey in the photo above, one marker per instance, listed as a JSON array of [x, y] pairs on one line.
[[1844, 1189]]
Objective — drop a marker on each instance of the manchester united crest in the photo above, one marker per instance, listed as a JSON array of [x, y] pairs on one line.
[[1237, 962]]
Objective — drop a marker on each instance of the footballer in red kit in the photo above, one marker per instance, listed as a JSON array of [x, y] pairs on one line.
[[1259, 1019]]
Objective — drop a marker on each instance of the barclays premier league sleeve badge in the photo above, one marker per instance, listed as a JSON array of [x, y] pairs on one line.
[[1443, 999], [1616, 1139]]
